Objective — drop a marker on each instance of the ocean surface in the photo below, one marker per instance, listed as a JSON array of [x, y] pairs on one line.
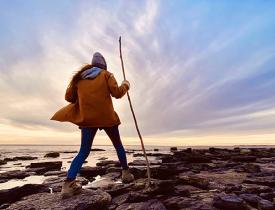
[[109, 153]]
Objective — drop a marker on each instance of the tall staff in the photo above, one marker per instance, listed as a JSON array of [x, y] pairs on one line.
[[132, 110]]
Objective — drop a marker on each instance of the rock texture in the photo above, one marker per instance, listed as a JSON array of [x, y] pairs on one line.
[[87, 200], [183, 179]]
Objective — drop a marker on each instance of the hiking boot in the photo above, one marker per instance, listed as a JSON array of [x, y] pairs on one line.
[[70, 188], [127, 176]]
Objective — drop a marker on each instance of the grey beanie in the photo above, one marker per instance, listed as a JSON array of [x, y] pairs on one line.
[[99, 61]]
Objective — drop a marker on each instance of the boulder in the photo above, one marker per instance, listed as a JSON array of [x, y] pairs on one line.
[[152, 204], [16, 193], [52, 155], [229, 202], [157, 187], [244, 158], [89, 172], [49, 165], [267, 181], [265, 205], [88, 199], [179, 202], [108, 162], [194, 180], [163, 172], [249, 168], [252, 199], [42, 167], [16, 174]]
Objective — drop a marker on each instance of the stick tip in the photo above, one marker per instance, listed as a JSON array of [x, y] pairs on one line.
[[119, 38]]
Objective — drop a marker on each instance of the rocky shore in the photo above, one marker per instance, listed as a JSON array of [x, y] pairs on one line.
[[201, 179]]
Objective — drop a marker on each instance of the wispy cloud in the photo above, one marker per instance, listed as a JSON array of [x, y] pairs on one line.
[[195, 68]]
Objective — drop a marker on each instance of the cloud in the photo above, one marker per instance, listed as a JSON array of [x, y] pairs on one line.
[[195, 72]]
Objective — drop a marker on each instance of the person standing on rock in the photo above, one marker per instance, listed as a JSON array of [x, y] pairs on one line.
[[91, 108]]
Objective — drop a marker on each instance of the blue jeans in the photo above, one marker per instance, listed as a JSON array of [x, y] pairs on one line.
[[87, 137]]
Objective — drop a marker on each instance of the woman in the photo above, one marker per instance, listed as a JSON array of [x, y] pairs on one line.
[[91, 108]]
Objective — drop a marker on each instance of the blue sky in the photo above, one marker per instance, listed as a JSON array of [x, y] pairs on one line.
[[201, 72]]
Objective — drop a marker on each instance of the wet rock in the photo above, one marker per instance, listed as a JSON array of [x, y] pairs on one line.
[[244, 158], [70, 151], [88, 199], [16, 193], [55, 173], [194, 158], [119, 188], [164, 172], [268, 181], [194, 180], [88, 171], [49, 165], [21, 158], [97, 149], [138, 172], [52, 155], [130, 197], [16, 174], [148, 154], [179, 202], [160, 187], [252, 199], [265, 205], [3, 162], [268, 196], [17, 164], [172, 149], [255, 189], [152, 204], [143, 163], [43, 167], [168, 158], [156, 149], [108, 163], [102, 158], [113, 169], [232, 188], [249, 168], [4, 206], [229, 202], [183, 190]]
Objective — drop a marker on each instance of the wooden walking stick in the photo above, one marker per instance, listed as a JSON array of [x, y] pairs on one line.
[[132, 110]]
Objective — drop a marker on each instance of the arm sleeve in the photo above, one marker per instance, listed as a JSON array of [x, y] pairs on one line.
[[116, 91], [71, 94]]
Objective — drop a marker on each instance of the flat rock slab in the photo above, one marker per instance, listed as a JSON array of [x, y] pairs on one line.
[[153, 204], [88, 199]]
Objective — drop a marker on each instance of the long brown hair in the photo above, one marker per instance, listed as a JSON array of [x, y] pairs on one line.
[[77, 75]]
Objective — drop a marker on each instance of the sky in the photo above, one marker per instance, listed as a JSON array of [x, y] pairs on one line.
[[201, 72]]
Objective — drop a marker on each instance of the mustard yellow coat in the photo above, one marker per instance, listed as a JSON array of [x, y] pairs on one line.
[[91, 103]]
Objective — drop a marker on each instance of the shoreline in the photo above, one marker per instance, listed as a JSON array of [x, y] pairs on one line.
[[211, 179]]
